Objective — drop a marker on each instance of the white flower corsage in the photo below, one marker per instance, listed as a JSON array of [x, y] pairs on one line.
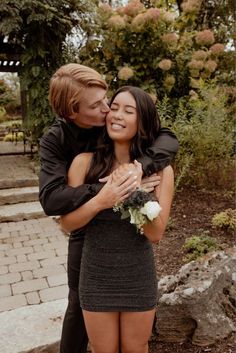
[[140, 207]]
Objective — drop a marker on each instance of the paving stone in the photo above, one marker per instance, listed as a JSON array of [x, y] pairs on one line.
[[10, 278], [53, 293], [20, 251], [29, 286], [5, 290], [48, 271], [32, 298], [21, 258], [3, 270], [54, 261], [57, 280], [27, 275], [24, 266], [13, 302], [42, 255], [7, 260]]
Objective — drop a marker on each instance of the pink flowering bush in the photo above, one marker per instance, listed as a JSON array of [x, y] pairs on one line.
[[153, 48], [165, 64], [133, 8], [125, 73], [217, 49], [205, 37]]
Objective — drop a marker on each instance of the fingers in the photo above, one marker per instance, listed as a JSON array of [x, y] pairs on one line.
[[103, 180], [149, 183]]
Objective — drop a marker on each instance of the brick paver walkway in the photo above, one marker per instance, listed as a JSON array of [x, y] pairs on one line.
[[33, 257], [33, 253]]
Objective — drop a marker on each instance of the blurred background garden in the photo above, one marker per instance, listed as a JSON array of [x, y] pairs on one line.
[[182, 52]]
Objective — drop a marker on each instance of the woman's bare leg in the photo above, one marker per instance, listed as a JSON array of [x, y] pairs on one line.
[[135, 331], [103, 331]]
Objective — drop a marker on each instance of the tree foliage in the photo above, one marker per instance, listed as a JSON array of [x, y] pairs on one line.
[[40, 28]]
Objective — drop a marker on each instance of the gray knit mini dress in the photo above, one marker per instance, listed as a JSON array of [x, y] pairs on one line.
[[117, 269]]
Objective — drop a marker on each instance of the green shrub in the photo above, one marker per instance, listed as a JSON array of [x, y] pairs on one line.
[[205, 133], [197, 246], [2, 113], [225, 220]]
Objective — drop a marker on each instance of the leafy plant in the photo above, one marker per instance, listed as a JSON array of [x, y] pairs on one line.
[[225, 220], [197, 246], [39, 28], [205, 132]]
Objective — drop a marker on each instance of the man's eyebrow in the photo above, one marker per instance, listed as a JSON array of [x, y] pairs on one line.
[[98, 101]]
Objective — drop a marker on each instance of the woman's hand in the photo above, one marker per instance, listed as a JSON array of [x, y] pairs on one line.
[[116, 189], [148, 184], [133, 169]]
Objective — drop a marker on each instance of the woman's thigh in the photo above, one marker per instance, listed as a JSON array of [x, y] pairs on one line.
[[103, 331], [135, 329]]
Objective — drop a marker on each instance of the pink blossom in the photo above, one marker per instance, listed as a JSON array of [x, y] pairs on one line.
[[196, 65], [117, 21], [217, 48], [210, 65], [200, 55], [205, 37], [152, 14], [133, 8], [165, 64], [167, 17], [125, 73], [191, 6], [105, 7], [120, 10], [170, 38], [138, 22]]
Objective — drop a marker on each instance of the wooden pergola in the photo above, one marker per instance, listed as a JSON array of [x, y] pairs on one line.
[[10, 61]]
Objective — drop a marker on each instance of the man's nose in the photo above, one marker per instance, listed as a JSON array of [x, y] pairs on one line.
[[106, 108]]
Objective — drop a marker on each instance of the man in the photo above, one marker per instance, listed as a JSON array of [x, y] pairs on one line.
[[78, 96]]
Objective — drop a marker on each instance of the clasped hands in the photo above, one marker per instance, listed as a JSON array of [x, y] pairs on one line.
[[124, 180]]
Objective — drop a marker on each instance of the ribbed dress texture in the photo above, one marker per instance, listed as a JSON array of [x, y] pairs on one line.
[[117, 268]]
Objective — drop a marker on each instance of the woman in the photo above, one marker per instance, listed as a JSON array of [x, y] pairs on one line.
[[118, 289]]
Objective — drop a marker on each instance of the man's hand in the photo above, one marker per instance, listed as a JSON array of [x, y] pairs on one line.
[[148, 184]]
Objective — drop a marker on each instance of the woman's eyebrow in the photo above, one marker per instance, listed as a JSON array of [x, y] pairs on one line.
[[126, 106]]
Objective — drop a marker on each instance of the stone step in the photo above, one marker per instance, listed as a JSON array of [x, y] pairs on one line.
[[18, 182], [37, 325], [21, 212], [17, 195]]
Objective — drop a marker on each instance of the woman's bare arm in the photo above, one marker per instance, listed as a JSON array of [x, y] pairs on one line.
[[164, 193]]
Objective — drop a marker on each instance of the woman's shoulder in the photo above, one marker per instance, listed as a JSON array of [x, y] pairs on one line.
[[84, 157], [80, 164], [167, 171]]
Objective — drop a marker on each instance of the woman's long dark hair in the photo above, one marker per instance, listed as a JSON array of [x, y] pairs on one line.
[[148, 126]]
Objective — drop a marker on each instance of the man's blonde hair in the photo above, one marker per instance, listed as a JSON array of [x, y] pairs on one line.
[[66, 86]]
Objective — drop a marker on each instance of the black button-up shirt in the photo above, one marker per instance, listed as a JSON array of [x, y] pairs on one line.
[[63, 142]]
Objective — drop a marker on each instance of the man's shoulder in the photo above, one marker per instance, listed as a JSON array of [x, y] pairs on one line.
[[55, 132]]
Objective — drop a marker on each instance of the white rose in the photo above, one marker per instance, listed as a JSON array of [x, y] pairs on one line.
[[151, 209]]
